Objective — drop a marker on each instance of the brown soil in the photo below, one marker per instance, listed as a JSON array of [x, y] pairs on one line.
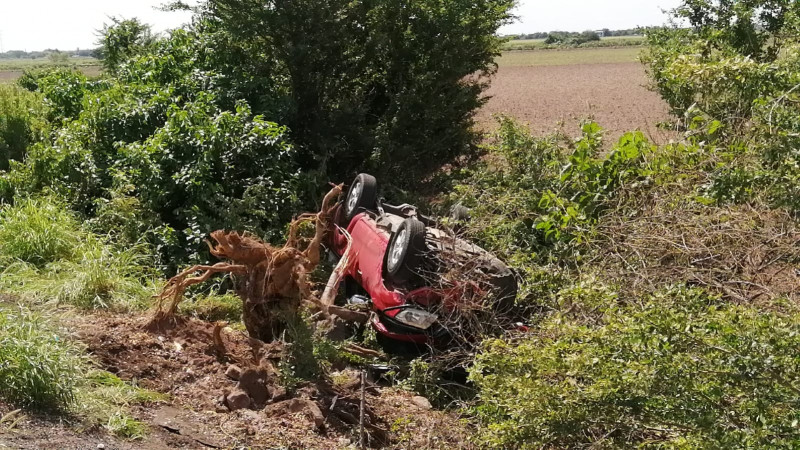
[[614, 94], [181, 359]]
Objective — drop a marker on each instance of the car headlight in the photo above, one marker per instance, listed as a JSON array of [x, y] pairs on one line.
[[416, 318]]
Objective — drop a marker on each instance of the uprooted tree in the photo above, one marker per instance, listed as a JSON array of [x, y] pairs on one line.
[[272, 281]]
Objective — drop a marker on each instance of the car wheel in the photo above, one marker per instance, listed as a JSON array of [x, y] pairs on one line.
[[405, 251], [363, 193]]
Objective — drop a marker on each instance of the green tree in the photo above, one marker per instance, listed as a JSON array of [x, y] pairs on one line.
[[122, 40], [385, 86]]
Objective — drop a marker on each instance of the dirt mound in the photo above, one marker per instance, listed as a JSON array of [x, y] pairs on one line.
[[182, 358]]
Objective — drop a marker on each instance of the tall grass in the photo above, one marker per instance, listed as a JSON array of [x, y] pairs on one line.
[[38, 369], [37, 231], [46, 255]]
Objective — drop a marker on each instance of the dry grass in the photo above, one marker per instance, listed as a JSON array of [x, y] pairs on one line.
[[747, 254]]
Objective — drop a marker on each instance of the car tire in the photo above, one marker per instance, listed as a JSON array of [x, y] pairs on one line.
[[405, 251], [363, 194]]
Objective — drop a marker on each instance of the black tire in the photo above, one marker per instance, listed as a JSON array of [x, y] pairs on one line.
[[363, 194], [405, 251]]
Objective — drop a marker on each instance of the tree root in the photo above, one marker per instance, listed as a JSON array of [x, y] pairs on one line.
[[269, 279]]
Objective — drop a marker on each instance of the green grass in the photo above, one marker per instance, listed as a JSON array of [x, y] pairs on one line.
[[27, 63], [38, 232], [212, 308], [569, 57], [38, 369], [45, 255], [104, 399]]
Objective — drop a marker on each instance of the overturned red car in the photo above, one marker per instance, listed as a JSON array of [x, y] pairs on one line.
[[397, 262]]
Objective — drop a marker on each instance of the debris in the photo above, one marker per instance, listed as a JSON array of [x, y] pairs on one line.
[[349, 314], [422, 402], [298, 405], [233, 372], [237, 400], [363, 352]]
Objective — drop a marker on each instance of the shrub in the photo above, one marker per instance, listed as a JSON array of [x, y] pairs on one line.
[[738, 68], [63, 90], [680, 370], [541, 196], [22, 123], [38, 369], [362, 86]]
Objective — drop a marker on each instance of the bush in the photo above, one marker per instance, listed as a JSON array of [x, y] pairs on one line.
[[38, 369], [63, 90], [362, 86], [22, 123], [738, 67], [681, 370], [541, 196]]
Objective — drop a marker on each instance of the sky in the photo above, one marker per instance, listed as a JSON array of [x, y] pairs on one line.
[[38, 24]]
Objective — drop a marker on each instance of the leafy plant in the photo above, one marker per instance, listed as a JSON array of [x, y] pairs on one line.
[[679, 370], [22, 123]]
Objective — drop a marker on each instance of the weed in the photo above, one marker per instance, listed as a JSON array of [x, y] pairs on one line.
[[104, 399], [37, 231], [38, 369]]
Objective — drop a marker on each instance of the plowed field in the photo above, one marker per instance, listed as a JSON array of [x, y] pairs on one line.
[[614, 94]]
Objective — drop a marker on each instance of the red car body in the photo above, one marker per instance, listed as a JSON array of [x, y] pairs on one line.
[[370, 235], [369, 244]]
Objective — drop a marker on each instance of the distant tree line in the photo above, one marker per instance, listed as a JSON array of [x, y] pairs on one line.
[[20, 54], [605, 32]]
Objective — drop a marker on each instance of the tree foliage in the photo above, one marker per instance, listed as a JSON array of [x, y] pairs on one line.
[[365, 85], [122, 40]]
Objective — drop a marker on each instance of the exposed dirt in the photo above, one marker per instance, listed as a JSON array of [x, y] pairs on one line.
[[181, 359], [614, 94]]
